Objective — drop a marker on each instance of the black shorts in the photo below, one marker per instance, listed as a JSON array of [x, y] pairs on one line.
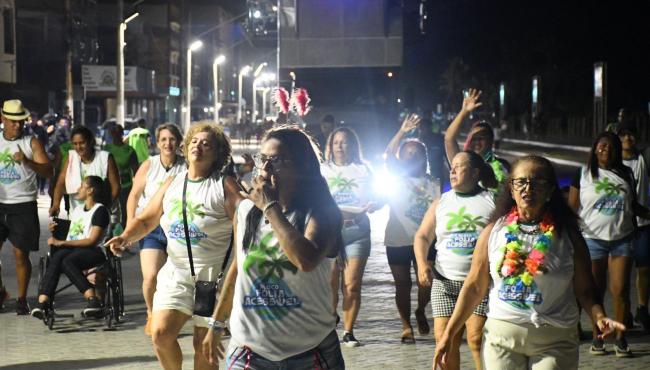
[[19, 224], [405, 256]]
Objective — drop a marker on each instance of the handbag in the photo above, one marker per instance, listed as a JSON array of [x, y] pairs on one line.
[[205, 292]]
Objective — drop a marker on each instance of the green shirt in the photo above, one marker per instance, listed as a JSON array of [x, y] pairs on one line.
[[138, 141], [122, 155], [64, 149]]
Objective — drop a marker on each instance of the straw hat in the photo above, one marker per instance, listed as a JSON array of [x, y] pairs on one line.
[[14, 110]]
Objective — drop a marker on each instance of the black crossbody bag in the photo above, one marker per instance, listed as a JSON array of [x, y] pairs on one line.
[[205, 292]]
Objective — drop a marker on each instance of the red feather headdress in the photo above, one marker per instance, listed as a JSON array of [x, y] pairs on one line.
[[300, 101], [281, 100]]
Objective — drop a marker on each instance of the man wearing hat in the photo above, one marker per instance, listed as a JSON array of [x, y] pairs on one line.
[[22, 158], [479, 140]]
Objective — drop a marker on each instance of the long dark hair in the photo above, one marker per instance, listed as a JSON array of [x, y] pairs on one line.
[[562, 214], [424, 166], [88, 136], [314, 193], [102, 190], [485, 172], [353, 141], [617, 151]]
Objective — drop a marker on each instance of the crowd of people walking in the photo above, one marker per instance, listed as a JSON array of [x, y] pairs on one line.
[[504, 254]]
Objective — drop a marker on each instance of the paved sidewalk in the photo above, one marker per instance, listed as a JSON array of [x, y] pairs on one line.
[[25, 343]]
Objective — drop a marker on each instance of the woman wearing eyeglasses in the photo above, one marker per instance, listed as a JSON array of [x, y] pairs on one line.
[[480, 139], [414, 191], [604, 196], [454, 223], [533, 261], [204, 200], [350, 181], [277, 291]]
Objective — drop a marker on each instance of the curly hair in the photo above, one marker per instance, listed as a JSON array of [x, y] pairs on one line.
[[223, 147], [563, 215]]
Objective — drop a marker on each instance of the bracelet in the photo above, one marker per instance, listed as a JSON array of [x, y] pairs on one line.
[[216, 325], [269, 205]]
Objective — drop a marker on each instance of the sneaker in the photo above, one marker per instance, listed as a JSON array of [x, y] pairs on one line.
[[597, 347], [350, 341], [21, 307], [93, 308], [39, 312], [621, 348], [642, 317]]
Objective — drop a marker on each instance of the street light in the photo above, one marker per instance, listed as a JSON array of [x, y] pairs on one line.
[[256, 74], [215, 76], [120, 68], [243, 72], [266, 77], [194, 46]]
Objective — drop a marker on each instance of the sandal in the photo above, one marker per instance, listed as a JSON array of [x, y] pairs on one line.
[[407, 336], [423, 324]]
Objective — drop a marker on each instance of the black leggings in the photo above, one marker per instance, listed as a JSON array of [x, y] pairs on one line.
[[72, 262]]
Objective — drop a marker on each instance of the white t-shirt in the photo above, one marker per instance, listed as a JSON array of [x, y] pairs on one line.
[[350, 185], [97, 167], [605, 205], [156, 176], [209, 225], [460, 219], [278, 310], [640, 169], [550, 299], [81, 223], [17, 181], [408, 208]]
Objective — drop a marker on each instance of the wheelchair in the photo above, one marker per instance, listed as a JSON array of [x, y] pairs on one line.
[[111, 285]]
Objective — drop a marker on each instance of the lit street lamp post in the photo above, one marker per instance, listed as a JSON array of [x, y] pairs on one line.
[[196, 45], [215, 76], [255, 77], [120, 69], [243, 72], [265, 78]]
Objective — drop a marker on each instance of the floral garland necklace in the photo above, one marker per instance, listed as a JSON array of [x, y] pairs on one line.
[[517, 264]]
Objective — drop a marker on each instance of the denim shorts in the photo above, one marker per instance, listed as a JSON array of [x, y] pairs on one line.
[[155, 240], [641, 244], [327, 355], [599, 249], [356, 237]]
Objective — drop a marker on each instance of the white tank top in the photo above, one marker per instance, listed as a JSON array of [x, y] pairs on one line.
[[605, 206], [97, 167], [209, 225], [350, 186], [640, 169], [278, 311], [17, 181], [81, 223], [459, 221], [408, 208], [156, 176], [550, 299]]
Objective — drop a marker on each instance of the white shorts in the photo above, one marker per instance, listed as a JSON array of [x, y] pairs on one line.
[[175, 290]]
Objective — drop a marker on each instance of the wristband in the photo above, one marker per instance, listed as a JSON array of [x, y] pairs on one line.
[[269, 205], [216, 325]]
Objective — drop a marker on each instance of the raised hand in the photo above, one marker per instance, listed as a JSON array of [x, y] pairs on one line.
[[262, 191], [410, 123], [470, 102]]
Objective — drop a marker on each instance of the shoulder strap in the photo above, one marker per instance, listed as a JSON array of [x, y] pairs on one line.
[[232, 231], [186, 228]]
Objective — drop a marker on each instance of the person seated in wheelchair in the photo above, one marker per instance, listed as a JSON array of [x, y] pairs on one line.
[[82, 248]]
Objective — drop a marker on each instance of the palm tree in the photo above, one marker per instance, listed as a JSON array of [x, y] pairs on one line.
[[192, 209], [347, 185], [608, 188], [270, 262], [76, 228], [335, 181], [7, 159], [465, 221]]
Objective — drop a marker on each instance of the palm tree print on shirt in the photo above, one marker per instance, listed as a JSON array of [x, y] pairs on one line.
[[463, 240], [8, 173], [342, 189], [419, 202], [193, 211], [76, 229], [611, 201], [270, 297]]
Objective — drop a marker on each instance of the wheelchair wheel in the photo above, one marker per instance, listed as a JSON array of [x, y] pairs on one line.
[[108, 307], [49, 318], [118, 297], [42, 266]]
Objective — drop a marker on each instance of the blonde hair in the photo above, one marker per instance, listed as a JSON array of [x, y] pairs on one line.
[[223, 148]]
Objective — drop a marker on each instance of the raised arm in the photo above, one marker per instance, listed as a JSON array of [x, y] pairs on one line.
[[470, 102], [411, 122], [425, 235], [39, 163]]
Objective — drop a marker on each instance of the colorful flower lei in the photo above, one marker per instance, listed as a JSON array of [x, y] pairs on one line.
[[517, 264]]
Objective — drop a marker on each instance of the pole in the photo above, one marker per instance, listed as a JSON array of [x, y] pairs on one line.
[[120, 74], [215, 77], [69, 99], [239, 88], [264, 103], [254, 100], [188, 91]]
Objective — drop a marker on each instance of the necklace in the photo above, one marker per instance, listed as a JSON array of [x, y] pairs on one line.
[[517, 263]]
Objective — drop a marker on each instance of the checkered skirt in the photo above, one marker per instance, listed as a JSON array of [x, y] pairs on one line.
[[444, 294]]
